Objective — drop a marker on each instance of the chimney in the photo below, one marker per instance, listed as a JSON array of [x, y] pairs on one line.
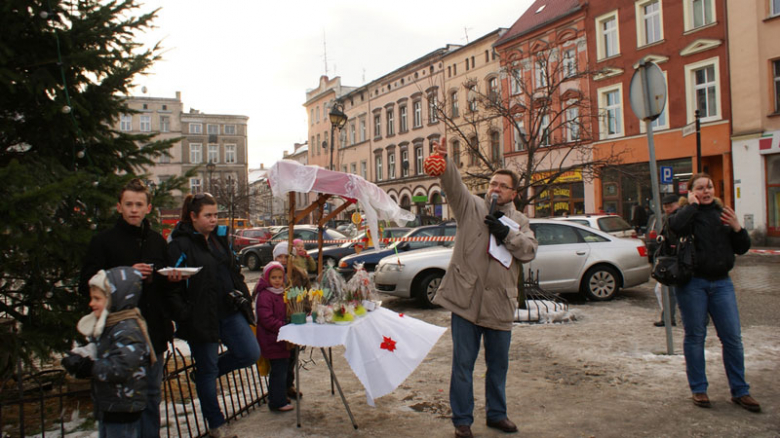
[[261, 166], [178, 96]]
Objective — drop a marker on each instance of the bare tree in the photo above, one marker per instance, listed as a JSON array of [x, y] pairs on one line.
[[550, 115]]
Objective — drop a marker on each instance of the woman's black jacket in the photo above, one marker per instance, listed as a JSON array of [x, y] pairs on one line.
[[715, 243], [198, 301]]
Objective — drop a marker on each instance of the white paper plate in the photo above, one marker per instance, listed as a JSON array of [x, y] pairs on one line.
[[185, 272]]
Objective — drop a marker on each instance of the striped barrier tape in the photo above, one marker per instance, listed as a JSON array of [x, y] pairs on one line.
[[765, 251], [385, 240]]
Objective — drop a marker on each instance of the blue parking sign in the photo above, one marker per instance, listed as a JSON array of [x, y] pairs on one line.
[[666, 174]]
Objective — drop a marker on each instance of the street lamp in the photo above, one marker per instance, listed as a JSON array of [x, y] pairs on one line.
[[210, 168], [337, 120]]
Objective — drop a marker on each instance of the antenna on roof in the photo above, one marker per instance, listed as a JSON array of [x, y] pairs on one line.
[[325, 52], [466, 31]]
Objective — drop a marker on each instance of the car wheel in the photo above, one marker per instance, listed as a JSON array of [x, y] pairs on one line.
[[252, 262], [600, 283], [427, 289]]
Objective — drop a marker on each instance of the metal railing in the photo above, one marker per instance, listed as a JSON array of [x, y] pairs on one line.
[[40, 403]]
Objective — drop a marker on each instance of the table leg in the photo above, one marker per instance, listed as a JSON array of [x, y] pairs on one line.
[[330, 357], [333, 379], [296, 350]]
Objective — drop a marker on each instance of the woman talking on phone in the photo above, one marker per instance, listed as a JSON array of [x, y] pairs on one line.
[[717, 237], [212, 306]]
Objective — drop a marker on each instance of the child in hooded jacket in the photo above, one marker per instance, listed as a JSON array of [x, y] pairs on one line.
[[119, 353], [271, 316]]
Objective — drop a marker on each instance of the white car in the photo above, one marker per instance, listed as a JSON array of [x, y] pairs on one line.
[[608, 223], [572, 258]]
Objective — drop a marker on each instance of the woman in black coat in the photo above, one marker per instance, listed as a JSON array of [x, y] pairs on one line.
[[717, 237], [210, 307]]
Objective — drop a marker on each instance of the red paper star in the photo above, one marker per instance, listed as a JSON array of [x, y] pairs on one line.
[[387, 344], [401, 315]]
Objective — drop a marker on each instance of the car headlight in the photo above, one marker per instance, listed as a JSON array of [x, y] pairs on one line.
[[391, 267]]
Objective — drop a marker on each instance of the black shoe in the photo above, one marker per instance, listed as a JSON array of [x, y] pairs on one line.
[[504, 425], [661, 324], [463, 431]]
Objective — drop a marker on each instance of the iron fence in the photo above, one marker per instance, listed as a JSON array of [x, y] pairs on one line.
[[42, 403]]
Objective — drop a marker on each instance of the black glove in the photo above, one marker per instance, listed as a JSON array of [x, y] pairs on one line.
[[79, 366], [496, 227]]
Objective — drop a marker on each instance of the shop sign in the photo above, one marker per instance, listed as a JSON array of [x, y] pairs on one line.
[[568, 176], [421, 198], [769, 145]]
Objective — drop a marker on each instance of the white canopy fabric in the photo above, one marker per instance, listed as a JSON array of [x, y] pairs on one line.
[[290, 176]]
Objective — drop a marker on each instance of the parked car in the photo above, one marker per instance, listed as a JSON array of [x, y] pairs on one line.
[[256, 256], [572, 258], [250, 236], [608, 223], [335, 253], [371, 257]]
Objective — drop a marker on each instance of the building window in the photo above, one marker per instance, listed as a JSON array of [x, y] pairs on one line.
[[352, 132], [773, 193], [702, 13], [540, 70], [611, 110], [454, 104], [473, 151], [516, 79], [417, 107], [378, 161], [317, 111], [495, 146], [649, 22], [390, 122], [196, 153], [212, 129], [404, 163], [165, 123], [230, 153], [377, 126], [364, 169], [146, 123], [164, 159], [126, 122], [520, 136], [433, 104], [362, 129], [472, 98], [572, 123], [775, 7], [544, 130], [344, 168], [493, 89], [776, 70], [311, 117], [402, 115], [391, 166], [195, 185], [703, 85], [353, 168], [607, 39], [456, 153], [213, 153], [320, 145], [570, 63], [196, 128], [230, 129], [418, 158]]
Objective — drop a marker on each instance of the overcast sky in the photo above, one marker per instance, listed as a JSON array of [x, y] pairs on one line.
[[258, 58]]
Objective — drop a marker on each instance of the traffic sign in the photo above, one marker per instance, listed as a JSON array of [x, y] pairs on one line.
[[647, 93], [667, 175]]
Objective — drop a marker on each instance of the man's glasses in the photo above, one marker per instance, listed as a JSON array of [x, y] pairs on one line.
[[502, 186]]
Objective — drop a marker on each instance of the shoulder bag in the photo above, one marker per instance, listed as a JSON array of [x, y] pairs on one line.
[[674, 260]]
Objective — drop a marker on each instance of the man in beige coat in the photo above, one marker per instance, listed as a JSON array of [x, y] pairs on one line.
[[481, 292]]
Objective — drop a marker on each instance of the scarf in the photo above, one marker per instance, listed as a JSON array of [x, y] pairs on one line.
[[135, 314], [276, 290]]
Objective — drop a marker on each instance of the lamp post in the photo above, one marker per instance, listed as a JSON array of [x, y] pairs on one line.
[[210, 168], [337, 120]]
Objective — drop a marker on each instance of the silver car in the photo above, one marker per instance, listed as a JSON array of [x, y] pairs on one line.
[[572, 258]]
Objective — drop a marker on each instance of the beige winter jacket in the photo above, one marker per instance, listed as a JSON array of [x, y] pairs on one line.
[[477, 287]]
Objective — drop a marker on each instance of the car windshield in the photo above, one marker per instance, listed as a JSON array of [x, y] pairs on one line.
[[613, 223]]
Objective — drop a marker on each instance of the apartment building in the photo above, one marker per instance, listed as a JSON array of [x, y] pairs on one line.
[[545, 93], [219, 139], [754, 60], [687, 39]]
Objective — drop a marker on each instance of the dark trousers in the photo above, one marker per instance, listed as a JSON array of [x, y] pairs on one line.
[[277, 383]]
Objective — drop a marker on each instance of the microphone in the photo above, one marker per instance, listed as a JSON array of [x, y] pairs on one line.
[[494, 199]]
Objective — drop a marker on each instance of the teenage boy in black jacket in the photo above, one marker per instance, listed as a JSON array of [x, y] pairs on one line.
[[132, 242]]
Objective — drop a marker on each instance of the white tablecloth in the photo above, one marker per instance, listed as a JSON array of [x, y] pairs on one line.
[[382, 348]]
